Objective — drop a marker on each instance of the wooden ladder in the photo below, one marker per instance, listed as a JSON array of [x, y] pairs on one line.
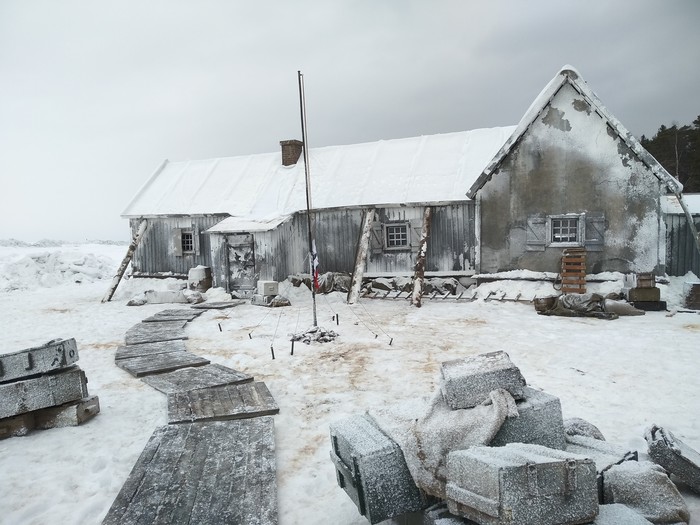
[[573, 270]]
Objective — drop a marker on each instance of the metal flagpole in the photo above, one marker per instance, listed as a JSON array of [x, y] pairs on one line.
[[312, 243]]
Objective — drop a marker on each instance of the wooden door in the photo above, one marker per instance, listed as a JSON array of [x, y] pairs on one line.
[[241, 257]]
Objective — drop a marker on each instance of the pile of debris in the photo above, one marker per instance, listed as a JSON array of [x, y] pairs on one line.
[[316, 334], [487, 449], [43, 388]]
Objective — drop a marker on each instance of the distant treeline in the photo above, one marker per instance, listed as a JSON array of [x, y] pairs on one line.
[[678, 150]]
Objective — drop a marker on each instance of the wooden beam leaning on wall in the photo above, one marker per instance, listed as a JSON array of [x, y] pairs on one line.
[[361, 256], [127, 258], [420, 259]]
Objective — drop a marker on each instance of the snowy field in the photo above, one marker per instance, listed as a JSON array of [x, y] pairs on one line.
[[621, 375]]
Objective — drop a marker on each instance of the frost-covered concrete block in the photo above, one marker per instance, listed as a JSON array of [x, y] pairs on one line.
[[603, 454], [54, 355], [539, 422], [674, 455], [371, 468], [467, 382], [268, 288], [523, 484], [617, 514]]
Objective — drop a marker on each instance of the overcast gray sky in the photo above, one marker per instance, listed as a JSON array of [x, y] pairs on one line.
[[95, 94]]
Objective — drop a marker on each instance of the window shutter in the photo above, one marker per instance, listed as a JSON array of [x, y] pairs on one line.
[[595, 233], [376, 242], [415, 227], [536, 235], [195, 239], [176, 242]]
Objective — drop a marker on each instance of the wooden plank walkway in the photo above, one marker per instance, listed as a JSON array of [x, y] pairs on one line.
[[186, 379], [219, 472], [222, 402], [154, 332], [178, 314], [160, 363], [217, 306], [145, 349]]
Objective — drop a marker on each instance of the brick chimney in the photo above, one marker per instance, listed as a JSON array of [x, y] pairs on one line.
[[291, 151]]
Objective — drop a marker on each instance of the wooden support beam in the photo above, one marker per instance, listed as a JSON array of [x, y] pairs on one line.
[[127, 258], [419, 275], [360, 257]]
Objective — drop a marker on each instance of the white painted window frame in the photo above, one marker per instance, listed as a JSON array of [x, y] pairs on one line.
[[407, 229], [580, 233]]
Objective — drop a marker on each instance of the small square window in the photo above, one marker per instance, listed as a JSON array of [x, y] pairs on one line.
[[396, 235], [187, 240], [565, 229]]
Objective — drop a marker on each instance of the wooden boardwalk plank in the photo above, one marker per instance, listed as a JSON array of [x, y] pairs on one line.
[[217, 306], [153, 332], [179, 314], [221, 403], [186, 379], [160, 363], [218, 472], [144, 349]]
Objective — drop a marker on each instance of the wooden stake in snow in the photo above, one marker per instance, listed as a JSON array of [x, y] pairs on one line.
[[127, 258], [420, 260], [360, 257]]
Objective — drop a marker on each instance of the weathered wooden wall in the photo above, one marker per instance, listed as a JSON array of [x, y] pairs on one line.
[[155, 253], [284, 251], [681, 254]]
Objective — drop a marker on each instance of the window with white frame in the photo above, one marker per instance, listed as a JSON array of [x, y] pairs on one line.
[[396, 236], [566, 230]]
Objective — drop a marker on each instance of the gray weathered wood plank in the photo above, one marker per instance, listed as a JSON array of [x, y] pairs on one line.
[[160, 363], [69, 414], [218, 472], [144, 349], [44, 391], [154, 332], [217, 305], [186, 379], [179, 314], [54, 355], [221, 402]]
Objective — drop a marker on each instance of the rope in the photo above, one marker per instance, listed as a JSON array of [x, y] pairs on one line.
[[375, 321]]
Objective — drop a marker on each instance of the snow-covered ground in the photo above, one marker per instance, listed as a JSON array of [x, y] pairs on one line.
[[621, 375]]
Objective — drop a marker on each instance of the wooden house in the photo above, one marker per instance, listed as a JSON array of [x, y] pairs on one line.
[[569, 175]]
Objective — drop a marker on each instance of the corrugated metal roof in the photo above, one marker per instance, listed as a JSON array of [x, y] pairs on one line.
[[431, 168]]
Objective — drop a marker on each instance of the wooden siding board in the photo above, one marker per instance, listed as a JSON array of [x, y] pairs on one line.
[[681, 253]]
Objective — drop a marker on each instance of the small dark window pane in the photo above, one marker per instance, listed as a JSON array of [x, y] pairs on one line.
[[565, 230], [187, 242], [397, 236]]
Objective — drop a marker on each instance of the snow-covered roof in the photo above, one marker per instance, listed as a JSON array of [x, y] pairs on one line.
[[670, 204], [569, 74], [431, 168]]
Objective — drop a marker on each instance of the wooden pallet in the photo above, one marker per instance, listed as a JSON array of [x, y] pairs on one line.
[[573, 271], [209, 473]]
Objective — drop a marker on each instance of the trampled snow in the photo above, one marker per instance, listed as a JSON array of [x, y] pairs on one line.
[[621, 375]]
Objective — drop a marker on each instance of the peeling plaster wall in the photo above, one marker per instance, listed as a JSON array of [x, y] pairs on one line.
[[571, 161]]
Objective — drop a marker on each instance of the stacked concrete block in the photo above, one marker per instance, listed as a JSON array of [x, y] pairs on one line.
[[371, 468], [646, 296], [467, 382], [523, 484], [603, 454], [41, 387], [539, 422], [674, 455]]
